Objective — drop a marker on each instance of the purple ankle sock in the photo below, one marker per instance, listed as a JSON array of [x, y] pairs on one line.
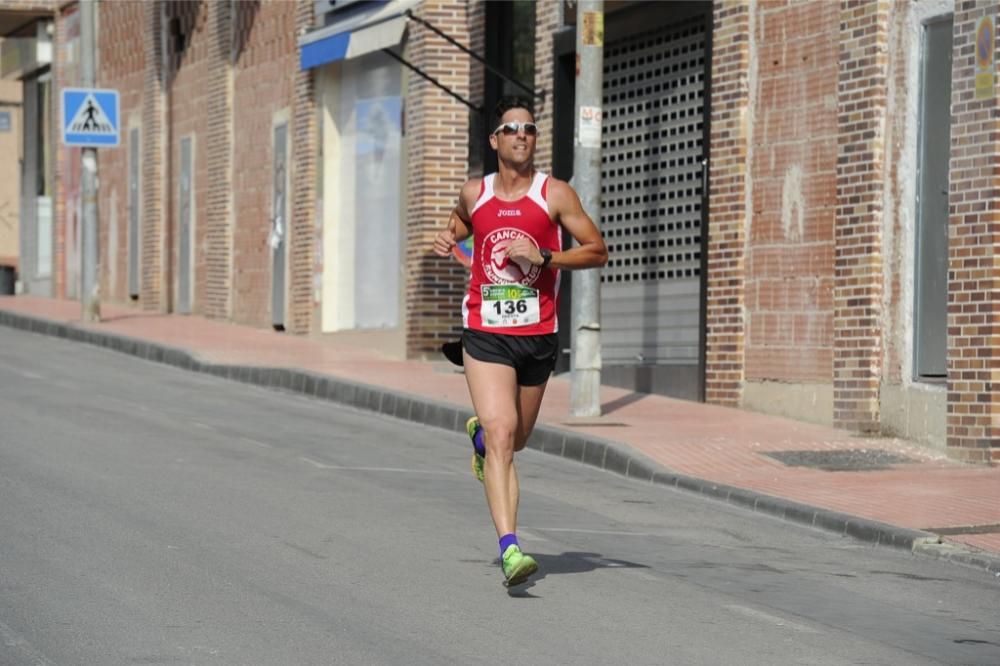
[[477, 442], [506, 541]]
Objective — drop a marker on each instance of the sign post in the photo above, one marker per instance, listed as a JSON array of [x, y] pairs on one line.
[[585, 377], [90, 119]]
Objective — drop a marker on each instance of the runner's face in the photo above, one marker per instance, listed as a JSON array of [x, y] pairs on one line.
[[515, 149]]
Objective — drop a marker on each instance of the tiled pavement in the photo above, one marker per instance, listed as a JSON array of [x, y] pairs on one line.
[[709, 449]]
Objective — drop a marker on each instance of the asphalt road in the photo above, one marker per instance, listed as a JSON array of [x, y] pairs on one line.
[[154, 516]]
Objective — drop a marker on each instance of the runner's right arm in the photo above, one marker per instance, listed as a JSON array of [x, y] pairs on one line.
[[459, 225]]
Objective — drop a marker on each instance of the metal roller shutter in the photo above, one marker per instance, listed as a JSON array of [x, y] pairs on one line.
[[652, 154]]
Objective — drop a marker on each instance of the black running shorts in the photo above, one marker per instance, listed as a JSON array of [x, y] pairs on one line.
[[533, 357]]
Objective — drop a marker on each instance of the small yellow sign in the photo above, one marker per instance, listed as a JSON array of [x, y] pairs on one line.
[[985, 62], [593, 28]]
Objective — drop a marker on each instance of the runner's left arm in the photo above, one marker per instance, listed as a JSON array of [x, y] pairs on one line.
[[566, 209]]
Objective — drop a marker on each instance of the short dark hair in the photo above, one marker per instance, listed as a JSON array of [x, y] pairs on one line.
[[512, 102]]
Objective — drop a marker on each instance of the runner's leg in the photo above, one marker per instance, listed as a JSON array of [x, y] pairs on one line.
[[493, 388], [529, 402]]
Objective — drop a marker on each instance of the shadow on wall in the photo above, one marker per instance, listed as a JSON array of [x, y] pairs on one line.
[[186, 17], [244, 14], [183, 18]]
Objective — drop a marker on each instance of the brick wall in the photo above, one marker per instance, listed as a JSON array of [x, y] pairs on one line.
[[306, 237], [217, 238], [66, 204], [973, 253], [188, 98], [122, 68], [789, 258], [861, 109], [437, 128], [155, 202], [477, 75], [264, 84], [236, 69], [548, 18], [730, 148]]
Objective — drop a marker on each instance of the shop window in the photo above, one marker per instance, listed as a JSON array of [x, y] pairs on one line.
[[366, 239]]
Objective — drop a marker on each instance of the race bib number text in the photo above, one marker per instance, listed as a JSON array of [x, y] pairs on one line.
[[508, 305]]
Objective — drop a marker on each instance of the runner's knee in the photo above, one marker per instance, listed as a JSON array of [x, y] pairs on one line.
[[500, 434]]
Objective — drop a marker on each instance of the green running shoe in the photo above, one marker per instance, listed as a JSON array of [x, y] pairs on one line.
[[471, 426], [517, 566]]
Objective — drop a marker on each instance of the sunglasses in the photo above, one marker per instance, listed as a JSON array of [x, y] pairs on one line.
[[512, 128]]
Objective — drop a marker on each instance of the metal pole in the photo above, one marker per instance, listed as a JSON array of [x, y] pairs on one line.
[[89, 270], [585, 378]]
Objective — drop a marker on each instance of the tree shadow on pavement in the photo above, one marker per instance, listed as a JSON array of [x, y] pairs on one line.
[[569, 563]]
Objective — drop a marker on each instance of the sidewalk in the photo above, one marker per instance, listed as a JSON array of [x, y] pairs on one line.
[[718, 451]]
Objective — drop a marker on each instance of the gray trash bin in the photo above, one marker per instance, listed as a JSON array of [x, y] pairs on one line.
[[7, 276]]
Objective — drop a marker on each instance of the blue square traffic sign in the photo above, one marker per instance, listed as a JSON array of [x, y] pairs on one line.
[[90, 117]]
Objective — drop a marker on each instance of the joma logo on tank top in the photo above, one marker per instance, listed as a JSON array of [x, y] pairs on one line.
[[509, 212]]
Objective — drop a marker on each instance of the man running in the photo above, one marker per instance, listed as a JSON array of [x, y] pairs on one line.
[[509, 313]]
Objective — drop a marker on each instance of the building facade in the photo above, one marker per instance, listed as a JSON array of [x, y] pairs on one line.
[[798, 197], [10, 176]]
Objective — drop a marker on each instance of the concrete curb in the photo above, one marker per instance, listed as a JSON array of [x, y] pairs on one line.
[[604, 454]]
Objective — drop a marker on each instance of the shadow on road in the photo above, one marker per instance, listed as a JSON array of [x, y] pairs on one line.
[[569, 563]]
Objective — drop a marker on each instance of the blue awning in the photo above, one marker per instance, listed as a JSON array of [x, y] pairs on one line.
[[380, 27]]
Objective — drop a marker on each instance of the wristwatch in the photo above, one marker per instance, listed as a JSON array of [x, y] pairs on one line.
[[546, 256]]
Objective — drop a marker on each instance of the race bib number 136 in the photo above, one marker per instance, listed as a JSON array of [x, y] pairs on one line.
[[507, 305]]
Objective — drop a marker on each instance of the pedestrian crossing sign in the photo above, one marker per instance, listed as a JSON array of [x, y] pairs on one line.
[[90, 117]]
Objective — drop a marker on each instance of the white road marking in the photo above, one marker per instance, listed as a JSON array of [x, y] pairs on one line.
[[529, 535], [398, 470], [256, 443], [608, 532], [770, 619], [28, 374], [14, 640]]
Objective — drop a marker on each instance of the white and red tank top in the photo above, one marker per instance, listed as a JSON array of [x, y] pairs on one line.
[[507, 296]]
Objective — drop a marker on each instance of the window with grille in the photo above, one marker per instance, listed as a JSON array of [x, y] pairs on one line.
[[651, 196], [651, 175]]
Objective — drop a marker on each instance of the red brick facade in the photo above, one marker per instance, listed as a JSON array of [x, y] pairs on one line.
[[217, 239], [734, 42], [123, 68], [305, 237], [219, 74], [66, 203], [974, 287], [265, 62], [809, 215], [548, 18], [804, 285], [789, 263], [188, 96], [437, 129], [861, 110]]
